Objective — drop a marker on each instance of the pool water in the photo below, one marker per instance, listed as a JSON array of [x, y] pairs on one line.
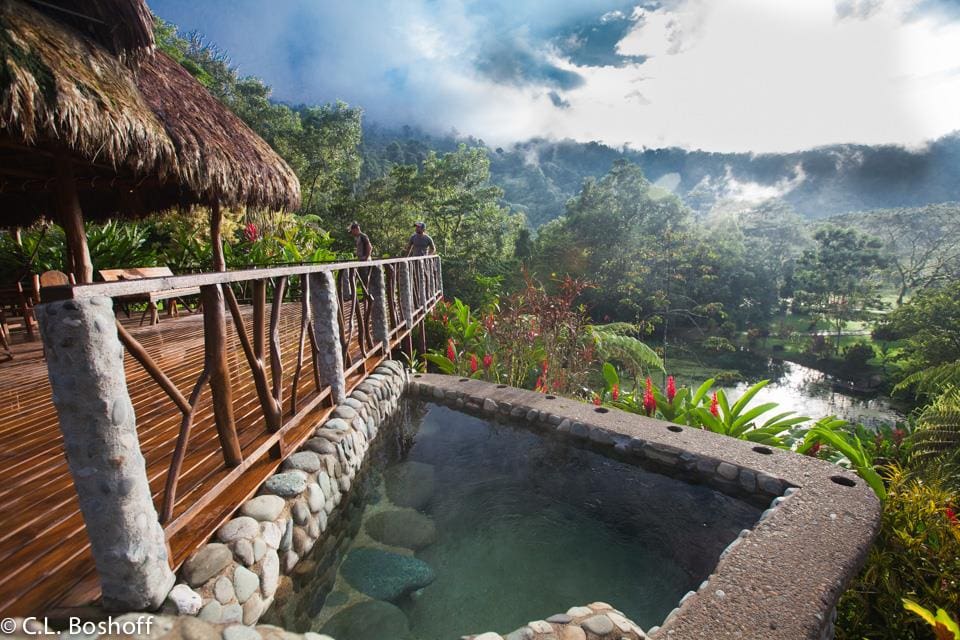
[[462, 525]]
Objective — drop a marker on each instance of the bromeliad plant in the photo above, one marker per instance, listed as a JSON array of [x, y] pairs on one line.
[[943, 625]]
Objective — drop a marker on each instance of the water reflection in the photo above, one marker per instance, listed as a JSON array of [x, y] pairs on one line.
[[811, 393]]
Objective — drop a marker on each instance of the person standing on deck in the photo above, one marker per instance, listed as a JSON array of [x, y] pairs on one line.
[[363, 249], [420, 243]]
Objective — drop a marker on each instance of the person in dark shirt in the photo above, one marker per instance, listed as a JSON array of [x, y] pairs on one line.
[[364, 251], [363, 247], [420, 243]]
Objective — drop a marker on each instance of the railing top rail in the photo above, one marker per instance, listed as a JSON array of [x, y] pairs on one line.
[[165, 283]]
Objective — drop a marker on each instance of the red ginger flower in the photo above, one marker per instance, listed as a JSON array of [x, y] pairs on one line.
[[615, 392], [251, 232], [473, 363], [814, 450], [596, 399], [451, 351], [540, 387], [649, 402], [952, 516], [671, 388], [487, 360], [715, 405]]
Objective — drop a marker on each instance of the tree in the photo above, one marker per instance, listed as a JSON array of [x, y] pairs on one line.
[[929, 327], [840, 276]]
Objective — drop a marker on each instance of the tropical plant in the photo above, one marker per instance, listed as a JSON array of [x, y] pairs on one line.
[[830, 431], [916, 554], [936, 439], [615, 342], [739, 421], [943, 625]]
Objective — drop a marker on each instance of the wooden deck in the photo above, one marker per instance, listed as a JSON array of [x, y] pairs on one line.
[[43, 544]]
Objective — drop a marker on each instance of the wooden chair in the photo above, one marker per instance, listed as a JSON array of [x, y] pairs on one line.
[[15, 302], [172, 296], [50, 279]]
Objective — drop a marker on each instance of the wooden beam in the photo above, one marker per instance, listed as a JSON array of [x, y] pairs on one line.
[[215, 360], [216, 239], [71, 219]]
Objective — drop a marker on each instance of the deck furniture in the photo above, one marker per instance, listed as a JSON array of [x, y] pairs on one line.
[[16, 303], [171, 296]]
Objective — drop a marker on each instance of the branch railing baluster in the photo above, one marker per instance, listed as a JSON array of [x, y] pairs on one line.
[[263, 349]]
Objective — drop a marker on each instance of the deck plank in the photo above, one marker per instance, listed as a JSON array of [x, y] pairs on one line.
[[43, 542]]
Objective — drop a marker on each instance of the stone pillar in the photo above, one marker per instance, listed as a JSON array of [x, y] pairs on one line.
[[381, 326], [85, 367], [323, 304], [406, 292]]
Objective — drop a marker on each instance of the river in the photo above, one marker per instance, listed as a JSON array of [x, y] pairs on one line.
[[810, 393]]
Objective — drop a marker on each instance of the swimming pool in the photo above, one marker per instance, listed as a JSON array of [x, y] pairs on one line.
[[460, 524]]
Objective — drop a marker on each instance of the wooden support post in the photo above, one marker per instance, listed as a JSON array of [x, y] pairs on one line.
[[71, 219], [215, 355], [99, 427], [216, 239], [405, 273]]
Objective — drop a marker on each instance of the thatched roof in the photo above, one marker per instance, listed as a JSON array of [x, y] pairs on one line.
[[57, 85], [122, 27], [218, 155], [142, 137]]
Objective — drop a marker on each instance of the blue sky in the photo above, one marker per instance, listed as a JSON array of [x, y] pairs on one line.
[[724, 75]]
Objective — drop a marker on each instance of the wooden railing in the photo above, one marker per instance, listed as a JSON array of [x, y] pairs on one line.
[[288, 398]]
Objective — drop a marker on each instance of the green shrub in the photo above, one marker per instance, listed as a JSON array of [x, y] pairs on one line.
[[916, 555], [857, 354]]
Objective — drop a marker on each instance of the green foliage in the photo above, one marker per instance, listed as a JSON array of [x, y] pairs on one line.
[[937, 437], [943, 625], [829, 432], [857, 354], [120, 245], [840, 276], [916, 554], [613, 344], [737, 421]]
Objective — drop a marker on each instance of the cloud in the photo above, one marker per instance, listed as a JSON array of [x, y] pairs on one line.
[[557, 101], [725, 75]]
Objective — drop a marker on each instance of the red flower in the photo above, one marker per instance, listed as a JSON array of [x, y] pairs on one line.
[[251, 232], [649, 402], [473, 363], [446, 319], [898, 436], [715, 405], [671, 388], [615, 392], [543, 367], [451, 351], [814, 450], [952, 516], [487, 360], [596, 399]]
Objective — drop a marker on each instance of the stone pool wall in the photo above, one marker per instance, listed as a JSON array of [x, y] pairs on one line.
[[233, 579], [781, 579]]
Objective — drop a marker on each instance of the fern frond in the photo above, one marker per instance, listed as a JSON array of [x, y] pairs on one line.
[[932, 379], [629, 351], [937, 435]]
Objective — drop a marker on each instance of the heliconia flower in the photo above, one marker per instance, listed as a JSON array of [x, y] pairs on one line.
[[473, 363], [715, 405], [615, 392], [671, 388], [596, 399], [487, 360], [451, 351], [251, 232]]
